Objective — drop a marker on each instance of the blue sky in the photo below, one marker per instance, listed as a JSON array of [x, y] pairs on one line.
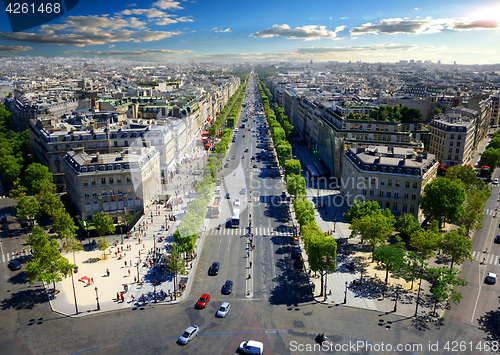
[[467, 32]]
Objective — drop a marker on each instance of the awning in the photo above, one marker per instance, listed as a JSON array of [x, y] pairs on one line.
[[199, 138], [204, 133], [207, 145]]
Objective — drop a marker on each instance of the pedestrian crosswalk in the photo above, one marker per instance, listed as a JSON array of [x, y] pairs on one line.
[[284, 232], [490, 212], [6, 257], [485, 258]]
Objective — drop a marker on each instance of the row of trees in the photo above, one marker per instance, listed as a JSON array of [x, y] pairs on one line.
[[406, 253], [491, 155], [321, 250], [14, 148], [221, 118], [396, 113], [458, 197]]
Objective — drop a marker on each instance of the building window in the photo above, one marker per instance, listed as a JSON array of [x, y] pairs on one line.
[[415, 184], [451, 144], [458, 144], [120, 191], [449, 156], [111, 180], [397, 183], [364, 192], [412, 209], [86, 193], [92, 181], [450, 150], [95, 206], [388, 194], [381, 193], [396, 195], [413, 197], [452, 136], [459, 137], [115, 143], [85, 182], [382, 182], [407, 184], [405, 208], [372, 192], [128, 179], [456, 157], [94, 194], [87, 207], [389, 182], [394, 207], [118, 179], [457, 150], [103, 181]]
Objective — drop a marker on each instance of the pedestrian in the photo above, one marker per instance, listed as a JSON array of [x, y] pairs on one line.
[[123, 298], [125, 263], [171, 297], [250, 264], [92, 280], [118, 296], [135, 279], [128, 272], [143, 299], [132, 297], [248, 254]]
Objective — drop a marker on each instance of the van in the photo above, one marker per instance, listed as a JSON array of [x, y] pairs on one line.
[[252, 347]]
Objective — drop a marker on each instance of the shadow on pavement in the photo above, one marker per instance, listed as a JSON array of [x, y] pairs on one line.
[[25, 299], [490, 324]]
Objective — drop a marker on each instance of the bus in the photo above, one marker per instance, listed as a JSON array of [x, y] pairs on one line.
[[216, 207], [235, 220]]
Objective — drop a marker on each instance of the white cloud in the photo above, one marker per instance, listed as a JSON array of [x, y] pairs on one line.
[[14, 49], [473, 25], [220, 30], [310, 32], [145, 12], [168, 4], [377, 47]]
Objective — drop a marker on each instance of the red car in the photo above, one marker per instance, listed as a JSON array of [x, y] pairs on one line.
[[202, 302]]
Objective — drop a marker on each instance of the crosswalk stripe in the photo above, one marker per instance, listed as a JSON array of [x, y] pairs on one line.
[[496, 260], [492, 257]]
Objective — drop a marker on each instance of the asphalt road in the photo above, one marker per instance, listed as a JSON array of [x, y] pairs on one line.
[[279, 310]]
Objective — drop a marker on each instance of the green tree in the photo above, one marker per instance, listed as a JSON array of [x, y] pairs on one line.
[[390, 258], [427, 241], [322, 255], [457, 246], [466, 176], [292, 166], [375, 228], [36, 174], [296, 185], [103, 224], [72, 245], [409, 225], [47, 264], [27, 209], [474, 210], [102, 245], [443, 200], [445, 281], [360, 209], [18, 190], [491, 158], [176, 264], [11, 166], [65, 226]]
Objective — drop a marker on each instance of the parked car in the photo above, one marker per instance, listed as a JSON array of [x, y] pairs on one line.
[[227, 288], [251, 347], [188, 334], [223, 310], [491, 278], [299, 264], [202, 302], [5, 226], [296, 253], [237, 202]]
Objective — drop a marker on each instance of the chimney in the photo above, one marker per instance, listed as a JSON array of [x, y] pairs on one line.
[[78, 150]]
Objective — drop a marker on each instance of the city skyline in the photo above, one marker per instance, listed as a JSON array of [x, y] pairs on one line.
[[320, 31]]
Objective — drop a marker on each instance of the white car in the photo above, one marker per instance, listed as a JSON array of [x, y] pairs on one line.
[[491, 278], [252, 347], [223, 310], [495, 181], [188, 334], [237, 202]]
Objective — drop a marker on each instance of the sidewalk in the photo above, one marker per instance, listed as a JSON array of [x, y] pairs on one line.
[[94, 266]]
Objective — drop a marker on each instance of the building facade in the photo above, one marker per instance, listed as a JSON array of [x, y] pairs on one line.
[[394, 177], [116, 183]]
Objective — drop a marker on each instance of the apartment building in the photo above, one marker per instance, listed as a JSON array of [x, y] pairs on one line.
[[117, 183], [394, 177], [452, 139]]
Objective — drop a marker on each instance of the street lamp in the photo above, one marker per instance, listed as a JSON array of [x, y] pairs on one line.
[[137, 266], [327, 261], [396, 302], [345, 293], [97, 299], [334, 221]]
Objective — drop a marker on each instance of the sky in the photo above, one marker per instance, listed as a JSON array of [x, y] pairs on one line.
[[467, 32]]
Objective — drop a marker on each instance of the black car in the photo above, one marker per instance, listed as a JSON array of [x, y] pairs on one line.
[[227, 288], [226, 165], [296, 253], [14, 265], [299, 264], [214, 269]]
